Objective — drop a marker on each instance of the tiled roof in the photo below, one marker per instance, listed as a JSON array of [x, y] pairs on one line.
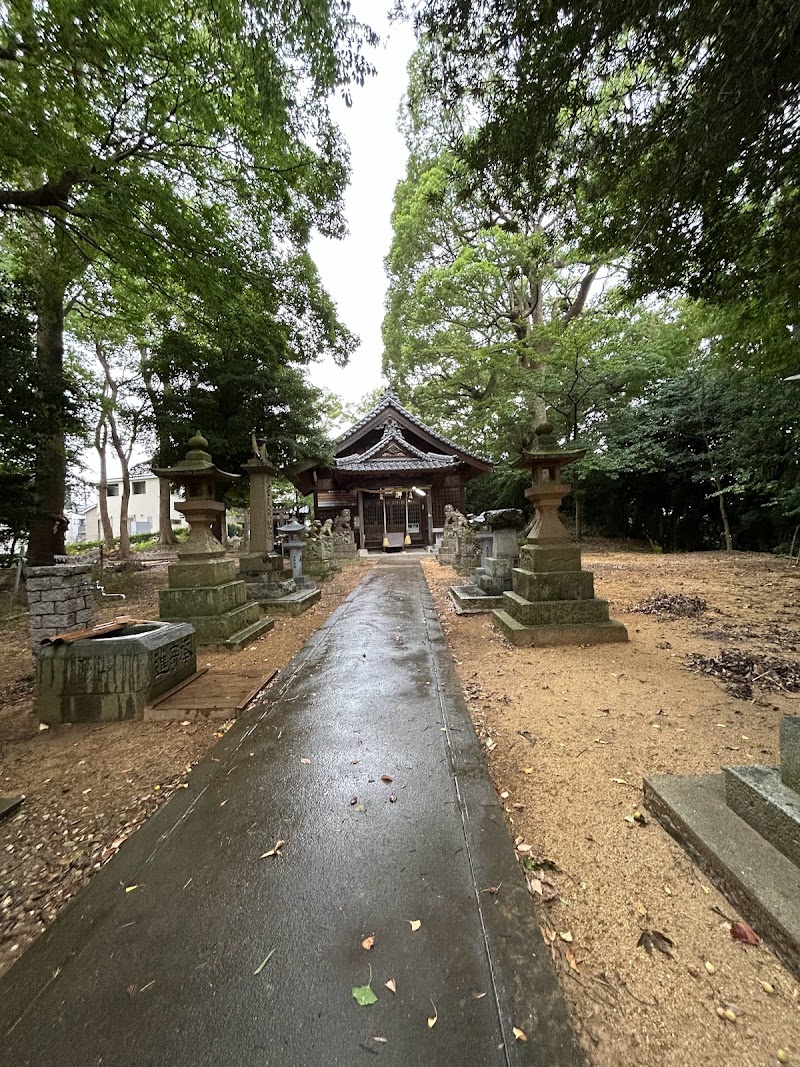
[[391, 400], [391, 463]]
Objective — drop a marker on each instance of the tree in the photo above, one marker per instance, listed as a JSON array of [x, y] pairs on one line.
[[190, 148], [685, 115]]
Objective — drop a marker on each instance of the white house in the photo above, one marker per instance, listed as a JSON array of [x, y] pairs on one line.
[[142, 508]]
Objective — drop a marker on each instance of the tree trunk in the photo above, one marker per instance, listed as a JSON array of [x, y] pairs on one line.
[[166, 535], [124, 457], [49, 526], [100, 441], [723, 511]]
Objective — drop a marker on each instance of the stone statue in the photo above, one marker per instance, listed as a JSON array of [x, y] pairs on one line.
[[259, 446], [454, 519], [343, 521]]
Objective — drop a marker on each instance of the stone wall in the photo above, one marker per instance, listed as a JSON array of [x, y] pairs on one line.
[[60, 599]]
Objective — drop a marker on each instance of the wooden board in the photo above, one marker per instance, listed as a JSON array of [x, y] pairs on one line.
[[210, 695]]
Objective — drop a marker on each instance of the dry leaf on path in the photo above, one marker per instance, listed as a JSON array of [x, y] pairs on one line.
[[391, 985], [386, 778], [565, 935], [303, 759], [414, 923], [650, 939], [570, 958], [519, 1035], [274, 851], [432, 1019], [368, 942], [744, 934]]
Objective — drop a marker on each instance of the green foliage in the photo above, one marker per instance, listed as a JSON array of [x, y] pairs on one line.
[[674, 124]]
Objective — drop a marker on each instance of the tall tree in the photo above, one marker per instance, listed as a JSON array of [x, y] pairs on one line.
[[685, 114], [189, 146]]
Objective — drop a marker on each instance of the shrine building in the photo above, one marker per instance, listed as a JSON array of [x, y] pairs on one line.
[[395, 475]]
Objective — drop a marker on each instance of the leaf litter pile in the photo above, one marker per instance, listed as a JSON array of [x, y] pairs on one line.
[[740, 671], [671, 606]]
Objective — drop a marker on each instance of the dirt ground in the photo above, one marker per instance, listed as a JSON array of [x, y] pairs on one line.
[[570, 732], [87, 787]]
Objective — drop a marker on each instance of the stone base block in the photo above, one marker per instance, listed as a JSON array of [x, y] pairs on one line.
[[236, 642], [319, 569], [260, 563], [554, 612], [207, 572], [758, 796], [472, 600], [759, 882], [294, 603], [554, 585], [790, 751], [265, 592], [542, 559], [598, 633], [201, 600], [219, 629]]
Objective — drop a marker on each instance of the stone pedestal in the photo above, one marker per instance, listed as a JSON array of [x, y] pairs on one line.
[[60, 599], [743, 828], [109, 678], [318, 559], [454, 522], [467, 555], [499, 540], [552, 600], [203, 587]]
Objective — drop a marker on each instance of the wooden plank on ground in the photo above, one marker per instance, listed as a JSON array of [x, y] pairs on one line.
[[219, 695]]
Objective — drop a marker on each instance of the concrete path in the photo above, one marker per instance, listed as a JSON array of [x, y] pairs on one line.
[[165, 974]]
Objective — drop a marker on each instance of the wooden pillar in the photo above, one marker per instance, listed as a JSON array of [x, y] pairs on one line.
[[362, 533]]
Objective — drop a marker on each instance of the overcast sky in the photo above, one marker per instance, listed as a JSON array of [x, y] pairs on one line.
[[352, 269]]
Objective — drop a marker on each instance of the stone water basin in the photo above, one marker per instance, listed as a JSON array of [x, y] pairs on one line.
[[108, 678]]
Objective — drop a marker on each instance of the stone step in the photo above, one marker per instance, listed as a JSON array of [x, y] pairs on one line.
[[243, 637], [293, 603], [217, 629], [470, 600], [597, 633], [757, 795], [554, 612]]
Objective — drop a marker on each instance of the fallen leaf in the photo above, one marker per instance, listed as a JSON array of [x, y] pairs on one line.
[[382, 1040], [479, 996], [130, 888], [264, 962], [391, 985], [303, 759], [353, 800], [710, 967], [524, 849], [640, 908], [565, 935], [386, 778], [650, 939], [504, 795], [368, 942], [415, 924], [520, 1035], [363, 995], [432, 1019], [570, 957], [527, 770], [745, 934], [274, 851]]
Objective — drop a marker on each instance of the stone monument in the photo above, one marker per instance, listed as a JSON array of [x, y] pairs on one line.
[[743, 828], [552, 601], [203, 589], [498, 537], [468, 549], [344, 541], [454, 521]]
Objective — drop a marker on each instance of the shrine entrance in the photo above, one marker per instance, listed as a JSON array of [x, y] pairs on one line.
[[393, 518]]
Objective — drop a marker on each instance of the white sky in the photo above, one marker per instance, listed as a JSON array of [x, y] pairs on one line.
[[352, 270]]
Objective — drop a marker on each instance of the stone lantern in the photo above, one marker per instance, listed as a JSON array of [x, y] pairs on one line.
[[203, 589], [552, 601], [295, 540]]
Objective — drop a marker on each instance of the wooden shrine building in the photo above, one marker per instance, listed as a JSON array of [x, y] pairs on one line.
[[395, 475]]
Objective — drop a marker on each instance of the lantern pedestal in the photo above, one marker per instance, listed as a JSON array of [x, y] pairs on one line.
[[203, 588], [552, 601]]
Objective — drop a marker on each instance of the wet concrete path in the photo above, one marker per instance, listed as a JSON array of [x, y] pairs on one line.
[[165, 974]]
